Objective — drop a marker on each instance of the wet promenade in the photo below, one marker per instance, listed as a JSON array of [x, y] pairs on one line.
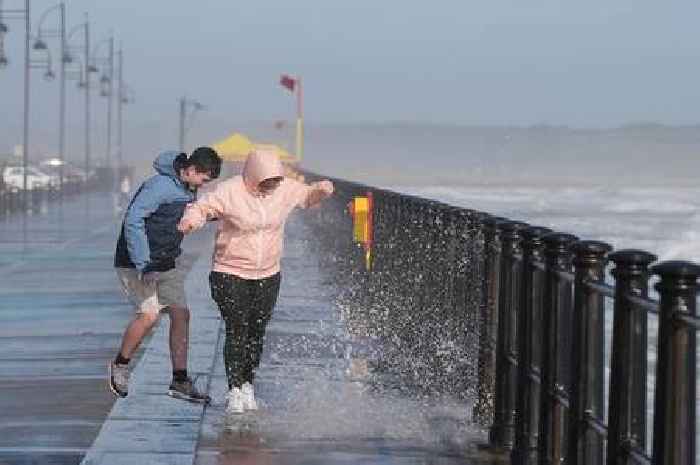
[[61, 316], [60, 320]]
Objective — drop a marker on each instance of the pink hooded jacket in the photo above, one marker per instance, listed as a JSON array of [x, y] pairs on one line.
[[251, 225]]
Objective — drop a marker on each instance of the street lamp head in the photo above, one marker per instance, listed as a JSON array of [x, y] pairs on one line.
[[49, 75], [40, 45]]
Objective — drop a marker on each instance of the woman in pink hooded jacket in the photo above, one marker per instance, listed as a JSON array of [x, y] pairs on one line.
[[245, 279]]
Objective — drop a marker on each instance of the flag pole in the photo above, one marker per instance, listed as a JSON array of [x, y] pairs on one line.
[[300, 121]]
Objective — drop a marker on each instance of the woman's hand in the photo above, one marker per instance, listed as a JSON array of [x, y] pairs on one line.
[[320, 190], [326, 186], [185, 226]]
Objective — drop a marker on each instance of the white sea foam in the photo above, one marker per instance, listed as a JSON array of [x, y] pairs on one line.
[[664, 221]]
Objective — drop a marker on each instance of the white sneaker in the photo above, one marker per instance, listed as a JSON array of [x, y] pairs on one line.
[[249, 402], [234, 401]]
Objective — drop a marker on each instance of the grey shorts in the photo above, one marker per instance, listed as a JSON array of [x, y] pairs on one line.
[[168, 291]]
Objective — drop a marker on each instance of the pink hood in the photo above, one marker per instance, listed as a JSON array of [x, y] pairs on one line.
[[250, 231], [259, 166]]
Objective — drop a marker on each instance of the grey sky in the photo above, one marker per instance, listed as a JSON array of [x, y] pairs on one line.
[[499, 62]]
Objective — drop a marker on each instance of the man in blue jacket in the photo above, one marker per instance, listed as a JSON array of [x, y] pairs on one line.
[[145, 259]]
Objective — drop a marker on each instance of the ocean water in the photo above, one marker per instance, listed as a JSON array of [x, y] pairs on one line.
[[663, 221]]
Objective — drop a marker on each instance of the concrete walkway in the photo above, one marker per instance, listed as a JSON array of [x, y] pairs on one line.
[[319, 402], [61, 317]]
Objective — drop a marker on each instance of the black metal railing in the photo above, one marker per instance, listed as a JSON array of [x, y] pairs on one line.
[[513, 317]]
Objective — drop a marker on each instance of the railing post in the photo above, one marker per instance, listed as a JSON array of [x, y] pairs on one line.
[[483, 409], [674, 406], [502, 433], [587, 390], [628, 366], [527, 411], [557, 296]]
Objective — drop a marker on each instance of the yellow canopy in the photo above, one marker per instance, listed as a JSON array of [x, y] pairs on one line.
[[236, 147]]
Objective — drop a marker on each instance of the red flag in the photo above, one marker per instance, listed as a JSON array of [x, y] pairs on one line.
[[288, 82]]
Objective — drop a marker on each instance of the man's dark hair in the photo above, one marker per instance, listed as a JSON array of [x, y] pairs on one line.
[[204, 160]]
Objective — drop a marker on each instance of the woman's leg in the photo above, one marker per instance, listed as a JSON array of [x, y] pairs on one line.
[[234, 300], [264, 300]]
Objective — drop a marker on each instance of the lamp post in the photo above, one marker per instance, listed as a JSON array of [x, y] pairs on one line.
[[3, 31], [106, 90], [39, 44], [186, 104], [124, 97], [110, 93], [120, 96], [26, 15], [84, 84]]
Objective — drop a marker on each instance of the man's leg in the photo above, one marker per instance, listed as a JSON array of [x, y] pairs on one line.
[[143, 297], [139, 328], [179, 336], [171, 292]]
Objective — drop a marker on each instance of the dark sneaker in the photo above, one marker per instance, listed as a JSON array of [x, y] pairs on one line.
[[186, 390], [118, 379]]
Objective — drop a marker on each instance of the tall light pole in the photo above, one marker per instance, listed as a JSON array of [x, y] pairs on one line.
[[84, 84], [25, 132], [185, 105], [3, 31], [120, 102], [110, 93], [26, 15], [39, 44], [106, 90]]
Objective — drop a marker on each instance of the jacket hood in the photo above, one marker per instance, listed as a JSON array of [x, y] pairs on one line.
[[165, 164], [261, 165]]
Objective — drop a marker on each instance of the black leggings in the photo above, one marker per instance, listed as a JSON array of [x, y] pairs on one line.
[[246, 306]]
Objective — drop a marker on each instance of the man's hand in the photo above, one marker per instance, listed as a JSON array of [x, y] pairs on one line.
[[149, 278]]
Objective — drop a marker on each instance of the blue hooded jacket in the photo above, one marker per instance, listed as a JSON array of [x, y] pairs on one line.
[[149, 239]]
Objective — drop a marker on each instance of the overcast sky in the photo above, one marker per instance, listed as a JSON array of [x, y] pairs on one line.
[[596, 63]]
